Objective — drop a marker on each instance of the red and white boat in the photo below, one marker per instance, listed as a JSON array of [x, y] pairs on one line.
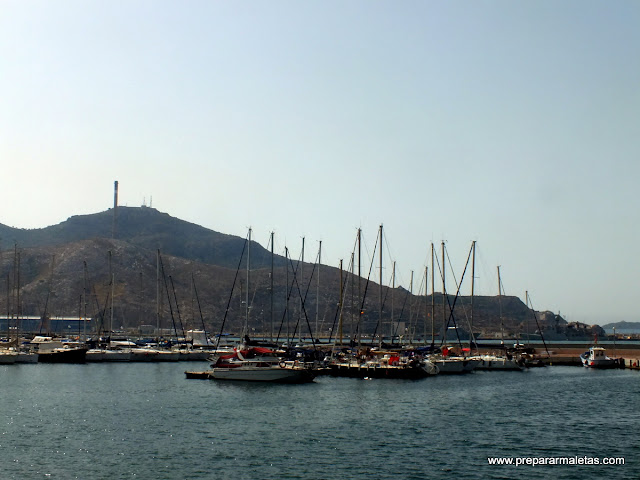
[[259, 364]]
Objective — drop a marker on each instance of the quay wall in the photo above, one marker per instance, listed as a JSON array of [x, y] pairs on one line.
[[563, 355]]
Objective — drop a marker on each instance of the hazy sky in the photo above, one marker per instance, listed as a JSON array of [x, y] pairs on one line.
[[512, 123]]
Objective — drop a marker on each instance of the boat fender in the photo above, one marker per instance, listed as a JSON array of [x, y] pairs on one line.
[[282, 364]]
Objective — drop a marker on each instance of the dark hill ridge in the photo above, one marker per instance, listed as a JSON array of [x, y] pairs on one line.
[[53, 279], [623, 325], [147, 228]]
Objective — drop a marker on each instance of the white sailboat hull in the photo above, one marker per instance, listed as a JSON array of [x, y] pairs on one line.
[[7, 358], [449, 366], [262, 374], [98, 355], [192, 355], [27, 357], [144, 355], [153, 355], [379, 370], [491, 362]]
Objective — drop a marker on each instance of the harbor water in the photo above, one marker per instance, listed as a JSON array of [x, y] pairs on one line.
[[147, 421]]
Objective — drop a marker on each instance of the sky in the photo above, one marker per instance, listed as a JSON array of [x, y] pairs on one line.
[[511, 124]]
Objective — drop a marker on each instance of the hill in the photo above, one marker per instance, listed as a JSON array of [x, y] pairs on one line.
[[76, 265], [147, 228], [622, 326]]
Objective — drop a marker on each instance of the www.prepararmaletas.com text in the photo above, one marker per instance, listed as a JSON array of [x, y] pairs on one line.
[[575, 460]]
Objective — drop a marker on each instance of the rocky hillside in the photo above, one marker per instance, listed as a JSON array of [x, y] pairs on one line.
[[197, 278], [143, 227]]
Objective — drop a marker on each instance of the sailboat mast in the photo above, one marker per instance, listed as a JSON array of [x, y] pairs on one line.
[[411, 308], [8, 301], [193, 300], [301, 304], [84, 299], [45, 314], [500, 307], [433, 296], [8, 307], [426, 303], [158, 295], [526, 324], [318, 288], [380, 290], [340, 305], [444, 299], [351, 305], [272, 256], [473, 279], [286, 256], [111, 303], [18, 306], [359, 284], [246, 306], [393, 290], [13, 284]]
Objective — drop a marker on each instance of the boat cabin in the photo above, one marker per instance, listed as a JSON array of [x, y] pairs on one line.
[[597, 353]]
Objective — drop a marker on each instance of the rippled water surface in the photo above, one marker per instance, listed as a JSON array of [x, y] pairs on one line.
[[147, 421]]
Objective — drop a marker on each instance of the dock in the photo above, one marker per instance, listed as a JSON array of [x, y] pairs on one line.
[[632, 363], [627, 357]]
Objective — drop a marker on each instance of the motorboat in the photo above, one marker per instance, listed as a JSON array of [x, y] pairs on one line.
[[596, 357], [56, 351]]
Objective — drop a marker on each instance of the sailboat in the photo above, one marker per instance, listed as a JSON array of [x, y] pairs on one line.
[[368, 363], [250, 363], [109, 349], [15, 353], [7, 357], [259, 364], [500, 362], [54, 349], [446, 362]]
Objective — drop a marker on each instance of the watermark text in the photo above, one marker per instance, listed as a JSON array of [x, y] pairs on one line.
[[575, 460]]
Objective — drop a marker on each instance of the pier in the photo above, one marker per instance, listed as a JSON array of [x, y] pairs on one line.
[[628, 355]]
